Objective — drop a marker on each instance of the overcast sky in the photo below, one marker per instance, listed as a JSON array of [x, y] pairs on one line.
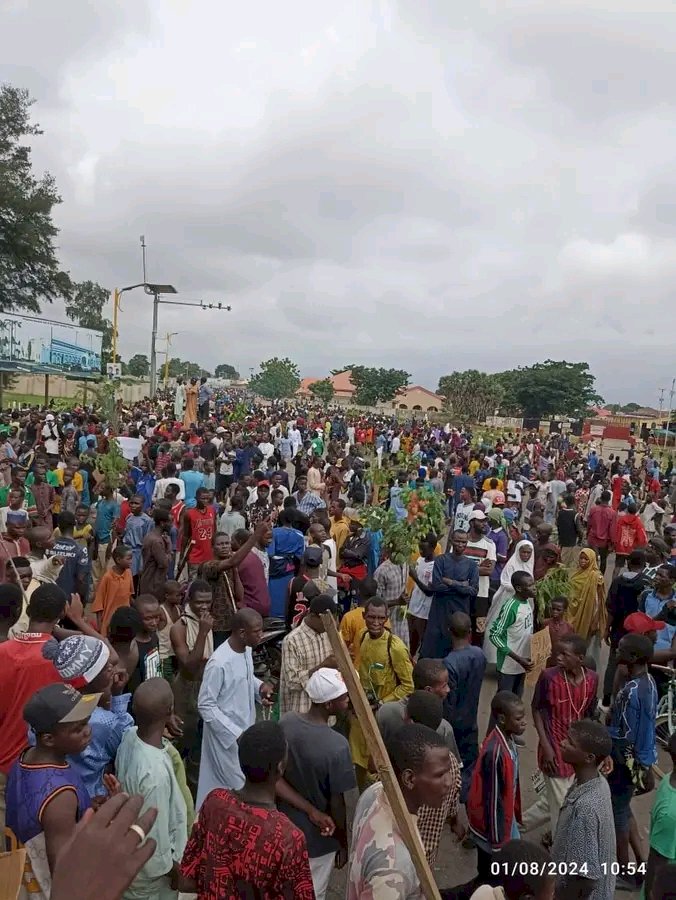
[[425, 185]]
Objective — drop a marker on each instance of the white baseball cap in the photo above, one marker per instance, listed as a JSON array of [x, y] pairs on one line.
[[325, 685]]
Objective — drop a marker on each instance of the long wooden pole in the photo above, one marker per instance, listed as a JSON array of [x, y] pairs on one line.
[[381, 760]]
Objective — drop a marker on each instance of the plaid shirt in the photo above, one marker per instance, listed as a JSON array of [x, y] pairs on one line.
[[302, 650], [431, 820], [391, 580], [309, 503]]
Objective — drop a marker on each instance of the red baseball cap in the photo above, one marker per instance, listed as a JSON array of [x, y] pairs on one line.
[[640, 623]]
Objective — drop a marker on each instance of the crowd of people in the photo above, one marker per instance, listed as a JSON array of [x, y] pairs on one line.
[[145, 561]]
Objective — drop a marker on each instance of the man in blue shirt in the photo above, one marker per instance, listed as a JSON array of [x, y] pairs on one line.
[[192, 480], [107, 513], [632, 728], [204, 395], [455, 581], [466, 666]]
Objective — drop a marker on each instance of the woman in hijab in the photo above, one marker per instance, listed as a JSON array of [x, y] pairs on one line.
[[547, 557], [522, 560], [587, 606]]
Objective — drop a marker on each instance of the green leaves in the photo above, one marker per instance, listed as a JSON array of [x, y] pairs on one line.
[[549, 388], [225, 370], [323, 390], [29, 269], [278, 378], [138, 365], [471, 395], [373, 386]]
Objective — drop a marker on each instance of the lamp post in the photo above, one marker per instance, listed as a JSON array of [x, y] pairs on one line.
[[671, 406]]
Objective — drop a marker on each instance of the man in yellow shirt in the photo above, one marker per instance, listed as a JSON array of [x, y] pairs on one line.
[[386, 673], [352, 625], [340, 527]]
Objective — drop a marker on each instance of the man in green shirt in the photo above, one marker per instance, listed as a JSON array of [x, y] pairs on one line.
[[663, 824]]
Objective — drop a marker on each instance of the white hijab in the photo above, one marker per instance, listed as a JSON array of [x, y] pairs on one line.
[[505, 591]]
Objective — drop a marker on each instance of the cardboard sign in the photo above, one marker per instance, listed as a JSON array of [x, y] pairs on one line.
[[540, 651]]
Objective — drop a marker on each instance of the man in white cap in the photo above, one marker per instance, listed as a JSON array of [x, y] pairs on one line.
[[319, 769], [50, 436]]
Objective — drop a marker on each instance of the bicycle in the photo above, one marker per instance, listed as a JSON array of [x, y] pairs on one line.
[[665, 722]]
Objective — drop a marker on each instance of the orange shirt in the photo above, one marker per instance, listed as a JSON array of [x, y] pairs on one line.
[[113, 592]]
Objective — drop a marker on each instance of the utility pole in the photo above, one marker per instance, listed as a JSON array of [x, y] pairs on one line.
[[671, 406], [143, 255], [117, 296]]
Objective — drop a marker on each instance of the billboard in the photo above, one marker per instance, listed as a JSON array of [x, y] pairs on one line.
[[43, 342]]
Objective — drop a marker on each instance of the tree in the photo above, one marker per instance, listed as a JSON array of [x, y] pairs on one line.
[[613, 407], [277, 378], [225, 370], [138, 365], [374, 386], [29, 270], [85, 305], [194, 370], [323, 390], [471, 395], [551, 388], [631, 407]]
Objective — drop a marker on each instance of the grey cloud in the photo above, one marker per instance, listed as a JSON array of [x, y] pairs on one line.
[[432, 186]]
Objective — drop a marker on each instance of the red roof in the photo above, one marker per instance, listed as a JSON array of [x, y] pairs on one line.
[[342, 384]]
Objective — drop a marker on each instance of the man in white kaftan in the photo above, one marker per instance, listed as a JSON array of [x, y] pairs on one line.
[[227, 705]]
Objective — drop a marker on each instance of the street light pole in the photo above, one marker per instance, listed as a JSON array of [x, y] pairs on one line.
[[671, 405], [153, 349]]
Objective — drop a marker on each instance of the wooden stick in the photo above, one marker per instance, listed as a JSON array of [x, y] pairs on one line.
[[381, 760]]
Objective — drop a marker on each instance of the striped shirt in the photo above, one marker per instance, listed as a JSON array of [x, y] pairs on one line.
[[512, 632], [302, 650], [560, 701]]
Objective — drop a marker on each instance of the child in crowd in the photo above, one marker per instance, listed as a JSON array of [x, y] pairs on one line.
[[170, 613], [115, 589], [584, 843], [147, 641], [511, 633], [45, 795], [466, 665], [558, 627], [494, 799], [144, 767]]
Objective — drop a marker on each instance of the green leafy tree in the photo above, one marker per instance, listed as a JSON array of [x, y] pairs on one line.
[[85, 305], [471, 395], [277, 378], [194, 370], [630, 407], [549, 388], [613, 407], [225, 370], [374, 386], [323, 390], [138, 365], [29, 269]]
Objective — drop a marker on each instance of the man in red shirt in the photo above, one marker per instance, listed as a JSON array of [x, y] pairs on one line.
[[241, 845], [24, 670], [600, 527], [199, 527]]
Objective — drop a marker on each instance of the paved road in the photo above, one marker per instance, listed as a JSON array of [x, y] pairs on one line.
[[456, 865]]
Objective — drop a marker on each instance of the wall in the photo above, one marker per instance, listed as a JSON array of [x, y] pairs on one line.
[[62, 388]]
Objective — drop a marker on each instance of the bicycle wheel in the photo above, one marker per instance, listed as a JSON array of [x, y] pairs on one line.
[[663, 730]]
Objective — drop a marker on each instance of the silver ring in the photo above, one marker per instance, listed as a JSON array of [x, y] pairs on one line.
[[139, 831]]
